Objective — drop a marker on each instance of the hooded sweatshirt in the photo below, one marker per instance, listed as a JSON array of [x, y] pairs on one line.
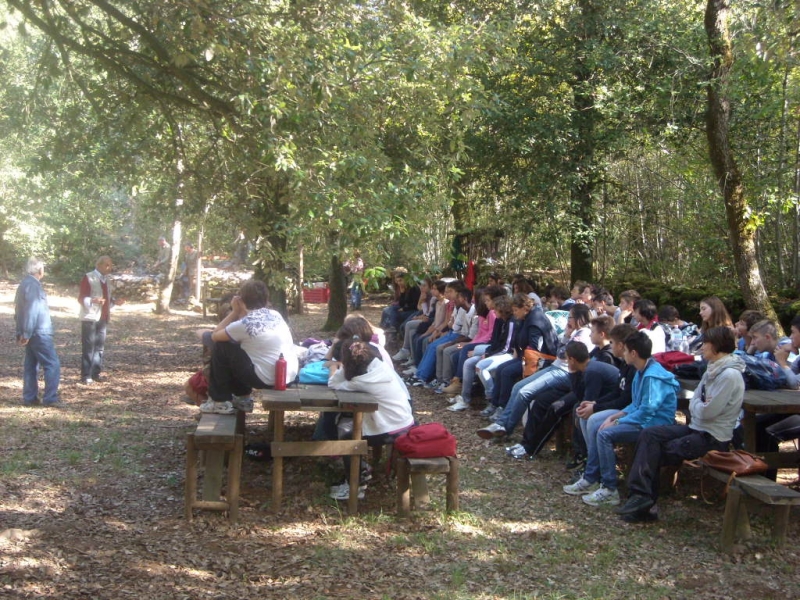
[[718, 398], [382, 383], [654, 397]]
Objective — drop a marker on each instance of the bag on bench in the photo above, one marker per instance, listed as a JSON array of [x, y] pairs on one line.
[[736, 462], [430, 440]]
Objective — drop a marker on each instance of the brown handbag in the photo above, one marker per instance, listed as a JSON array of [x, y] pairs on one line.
[[736, 462], [532, 360]]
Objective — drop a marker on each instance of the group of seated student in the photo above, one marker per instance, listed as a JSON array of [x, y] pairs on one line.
[[600, 373]]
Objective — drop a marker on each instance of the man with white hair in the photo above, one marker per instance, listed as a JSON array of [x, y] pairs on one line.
[[35, 333]]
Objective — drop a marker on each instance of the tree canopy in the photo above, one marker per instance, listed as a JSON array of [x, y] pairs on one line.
[[559, 135]]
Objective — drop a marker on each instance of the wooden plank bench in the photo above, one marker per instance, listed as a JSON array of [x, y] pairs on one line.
[[219, 437], [751, 489], [410, 469]]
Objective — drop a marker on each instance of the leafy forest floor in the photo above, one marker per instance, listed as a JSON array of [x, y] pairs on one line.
[[91, 503]]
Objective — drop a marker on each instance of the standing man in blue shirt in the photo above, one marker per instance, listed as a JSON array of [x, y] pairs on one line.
[[35, 333]]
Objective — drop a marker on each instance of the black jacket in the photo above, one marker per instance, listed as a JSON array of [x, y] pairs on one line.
[[536, 332]]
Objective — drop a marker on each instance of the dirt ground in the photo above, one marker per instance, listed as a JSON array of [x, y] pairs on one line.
[[91, 503]]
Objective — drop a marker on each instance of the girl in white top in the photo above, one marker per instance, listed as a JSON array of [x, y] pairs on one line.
[[361, 370]]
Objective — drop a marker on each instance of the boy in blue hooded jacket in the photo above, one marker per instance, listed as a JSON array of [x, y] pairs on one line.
[[654, 401]]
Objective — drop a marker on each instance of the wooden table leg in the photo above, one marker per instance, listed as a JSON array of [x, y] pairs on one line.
[[355, 466], [277, 461]]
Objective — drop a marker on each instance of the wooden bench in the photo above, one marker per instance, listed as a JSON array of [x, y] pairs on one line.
[[415, 469], [218, 437], [751, 489]]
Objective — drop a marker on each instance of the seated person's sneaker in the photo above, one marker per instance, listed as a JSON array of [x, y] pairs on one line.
[[453, 388], [243, 403], [488, 411], [577, 475], [577, 461], [580, 487], [401, 355], [518, 452], [459, 405], [636, 503], [498, 412], [218, 408], [648, 516], [491, 431], [342, 492], [602, 497]]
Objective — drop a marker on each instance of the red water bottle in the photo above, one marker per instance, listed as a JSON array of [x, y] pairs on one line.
[[280, 374]]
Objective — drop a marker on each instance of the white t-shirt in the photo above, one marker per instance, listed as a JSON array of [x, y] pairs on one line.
[[264, 335], [658, 337]]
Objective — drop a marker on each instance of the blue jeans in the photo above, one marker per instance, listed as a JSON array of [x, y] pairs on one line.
[[525, 390], [601, 463], [427, 366], [394, 316], [461, 356], [93, 343], [40, 352], [505, 376], [485, 371]]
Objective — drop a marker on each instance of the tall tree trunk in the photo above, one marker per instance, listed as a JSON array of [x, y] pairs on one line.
[[198, 281], [796, 220], [729, 179], [583, 152], [299, 306], [337, 303], [165, 294]]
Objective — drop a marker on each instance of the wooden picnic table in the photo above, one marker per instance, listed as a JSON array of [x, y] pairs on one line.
[[756, 402], [316, 398]]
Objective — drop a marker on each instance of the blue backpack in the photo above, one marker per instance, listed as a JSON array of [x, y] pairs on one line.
[[314, 373], [761, 373]]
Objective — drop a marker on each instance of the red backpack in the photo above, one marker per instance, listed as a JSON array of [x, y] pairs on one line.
[[430, 440], [672, 358]]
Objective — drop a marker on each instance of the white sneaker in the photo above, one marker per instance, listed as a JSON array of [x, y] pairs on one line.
[[455, 399], [491, 431], [342, 492], [217, 408], [401, 355], [458, 406], [498, 412], [410, 371], [581, 487], [602, 497], [409, 362], [488, 411], [243, 403]]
